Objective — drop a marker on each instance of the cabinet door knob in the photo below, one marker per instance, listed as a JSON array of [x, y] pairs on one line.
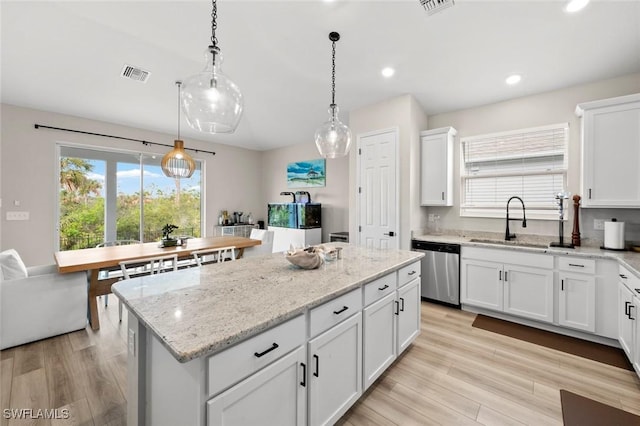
[[397, 312], [412, 273], [386, 286], [626, 308], [624, 277], [402, 304], [442, 195], [577, 265]]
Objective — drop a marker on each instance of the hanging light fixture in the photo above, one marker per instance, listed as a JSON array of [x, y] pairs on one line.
[[212, 102], [177, 163], [333, 138]]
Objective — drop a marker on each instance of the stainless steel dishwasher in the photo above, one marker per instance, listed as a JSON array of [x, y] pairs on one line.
[[440, 271]]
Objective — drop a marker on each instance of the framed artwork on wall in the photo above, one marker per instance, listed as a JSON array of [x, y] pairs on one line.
[[306, 174]]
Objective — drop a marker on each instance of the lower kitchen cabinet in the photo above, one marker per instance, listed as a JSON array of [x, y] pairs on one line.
[[408, 312], [276, 393], [481, 284], [528, 292], [576, 301], [379, 337], [626, 321], [335, 371]]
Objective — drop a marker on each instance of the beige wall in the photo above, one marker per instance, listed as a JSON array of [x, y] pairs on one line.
[[28, 174], [530, 111], [334, 196], [405, 114]]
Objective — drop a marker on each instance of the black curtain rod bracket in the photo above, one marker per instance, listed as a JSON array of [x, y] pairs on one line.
[[142, 141]]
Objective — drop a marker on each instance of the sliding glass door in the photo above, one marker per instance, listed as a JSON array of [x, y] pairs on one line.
[[109, 195]]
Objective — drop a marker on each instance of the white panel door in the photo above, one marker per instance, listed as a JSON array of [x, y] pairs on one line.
[[528, 292], [378, 198], [577, 301]]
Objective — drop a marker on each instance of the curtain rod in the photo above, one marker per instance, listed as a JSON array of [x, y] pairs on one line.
[[142, 141]]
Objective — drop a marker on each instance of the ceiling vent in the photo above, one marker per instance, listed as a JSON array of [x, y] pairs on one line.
[[435, 6], [133, 73]]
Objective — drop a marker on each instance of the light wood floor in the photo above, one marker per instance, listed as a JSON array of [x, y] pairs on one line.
[[452, 374]]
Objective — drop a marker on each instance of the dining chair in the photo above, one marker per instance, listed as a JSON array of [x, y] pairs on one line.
[[106, 273], [148, 266], [266, 246], [221, 254]]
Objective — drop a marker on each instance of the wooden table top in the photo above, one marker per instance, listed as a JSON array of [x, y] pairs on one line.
[[108, 257]]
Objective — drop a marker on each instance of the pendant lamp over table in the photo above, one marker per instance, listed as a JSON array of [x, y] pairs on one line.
[[333, 138], [211, 101], [177, 163]]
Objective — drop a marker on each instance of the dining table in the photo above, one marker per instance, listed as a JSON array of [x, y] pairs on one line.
[[98, 261]]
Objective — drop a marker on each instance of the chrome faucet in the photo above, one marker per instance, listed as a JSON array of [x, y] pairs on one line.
[[507, 234]]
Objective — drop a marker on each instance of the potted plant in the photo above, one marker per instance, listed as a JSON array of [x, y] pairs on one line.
[[167, 241]]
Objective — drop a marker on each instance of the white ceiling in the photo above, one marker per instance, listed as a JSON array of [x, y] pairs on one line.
[[67, 56]]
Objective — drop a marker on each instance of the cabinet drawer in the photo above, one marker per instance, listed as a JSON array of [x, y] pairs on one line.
[[576, 264], [234, 364], [331, 313], [408, 273], [379, 288], [630, 279]]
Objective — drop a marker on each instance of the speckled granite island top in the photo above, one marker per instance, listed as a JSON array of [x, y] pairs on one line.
[[198, 311]]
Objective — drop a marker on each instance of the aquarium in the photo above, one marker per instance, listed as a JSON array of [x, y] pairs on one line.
[[295, 215]]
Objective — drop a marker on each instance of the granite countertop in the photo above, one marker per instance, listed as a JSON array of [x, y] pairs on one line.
[[629, 259], [198, 311]]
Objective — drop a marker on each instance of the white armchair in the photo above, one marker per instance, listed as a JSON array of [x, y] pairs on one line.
[[44, 304]]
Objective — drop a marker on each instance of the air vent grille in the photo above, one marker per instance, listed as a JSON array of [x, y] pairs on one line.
[[434, 6], [135, 73]]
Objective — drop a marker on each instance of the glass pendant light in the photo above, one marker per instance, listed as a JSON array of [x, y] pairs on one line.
[[333, 138], [211, 101], [177, 163]]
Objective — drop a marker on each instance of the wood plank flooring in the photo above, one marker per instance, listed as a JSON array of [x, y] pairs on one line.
[[452, 374]]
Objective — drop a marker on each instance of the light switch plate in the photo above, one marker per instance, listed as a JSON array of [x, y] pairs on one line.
[[598, 224], [13, 215]]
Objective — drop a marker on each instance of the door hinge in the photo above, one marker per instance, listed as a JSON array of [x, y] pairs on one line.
[[359, 151], [359, 228], [359, 190]]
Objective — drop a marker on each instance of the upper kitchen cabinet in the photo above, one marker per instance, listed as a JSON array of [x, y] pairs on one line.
[[611, 152], [436, 165]]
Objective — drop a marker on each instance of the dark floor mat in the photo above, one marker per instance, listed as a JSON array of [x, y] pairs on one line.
[[580, 411], [583, 348]]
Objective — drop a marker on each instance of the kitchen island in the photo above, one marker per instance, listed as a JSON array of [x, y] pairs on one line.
[[260, 337]]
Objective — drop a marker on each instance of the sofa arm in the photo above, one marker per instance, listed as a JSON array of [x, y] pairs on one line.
[[42, 306], [41, 270]]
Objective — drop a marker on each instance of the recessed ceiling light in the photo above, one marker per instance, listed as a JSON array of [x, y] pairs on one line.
[[513, 79], [576, 5], [388, 72]]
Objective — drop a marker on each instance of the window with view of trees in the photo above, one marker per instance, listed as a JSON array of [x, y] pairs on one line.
[[530, 163], [110, 195]]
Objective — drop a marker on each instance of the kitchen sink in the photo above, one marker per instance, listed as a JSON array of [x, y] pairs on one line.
[[507, 243]]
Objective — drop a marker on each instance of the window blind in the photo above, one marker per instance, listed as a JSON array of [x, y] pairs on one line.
[[530, 163]]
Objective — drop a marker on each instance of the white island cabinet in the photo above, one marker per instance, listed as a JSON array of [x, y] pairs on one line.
[[258, 341]]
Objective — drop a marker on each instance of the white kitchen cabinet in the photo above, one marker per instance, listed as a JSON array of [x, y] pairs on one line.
[[277, 393], [627, 313], [379, 340], [634, 317], [408, 313], [516, 283], [576, 301], [528, 292], [335, 371], [611, 152], [481, 284], [436, 165]]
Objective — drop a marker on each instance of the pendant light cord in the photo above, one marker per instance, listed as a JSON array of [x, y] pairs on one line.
[[179, 84], [214, 25], [333, 73]]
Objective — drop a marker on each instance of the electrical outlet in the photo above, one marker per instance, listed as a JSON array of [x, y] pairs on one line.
[[431, 217], [132, 342], [598, 224], [13, 215]]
